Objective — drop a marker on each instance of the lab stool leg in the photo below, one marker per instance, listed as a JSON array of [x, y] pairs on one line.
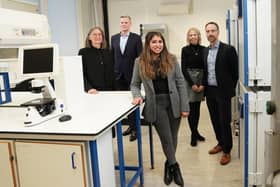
[[151, 145]]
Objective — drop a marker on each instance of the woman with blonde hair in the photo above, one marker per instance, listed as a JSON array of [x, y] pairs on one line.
[[192, 67], [165, 95]]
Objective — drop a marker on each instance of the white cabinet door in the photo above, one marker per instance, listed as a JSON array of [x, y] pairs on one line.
[[7, 165], [55, 164]]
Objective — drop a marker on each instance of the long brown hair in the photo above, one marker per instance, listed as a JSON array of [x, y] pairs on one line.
[[165, 60], [88, 41]]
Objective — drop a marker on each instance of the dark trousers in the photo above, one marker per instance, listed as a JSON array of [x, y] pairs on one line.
[[167, 127], [194, 117], [123, 85], [220, 113]]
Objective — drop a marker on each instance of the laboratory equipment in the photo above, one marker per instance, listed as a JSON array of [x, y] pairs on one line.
[[232, 36], [32, 71], [32, 61], [37, 62], [23, 28], [25, 52], [272, 141], [254, 34]]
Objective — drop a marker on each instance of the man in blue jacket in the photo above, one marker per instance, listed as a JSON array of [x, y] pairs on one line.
[[126, 47]]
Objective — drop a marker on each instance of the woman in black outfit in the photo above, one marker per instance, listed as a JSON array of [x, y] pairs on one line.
[[192, 68], [98, 65]]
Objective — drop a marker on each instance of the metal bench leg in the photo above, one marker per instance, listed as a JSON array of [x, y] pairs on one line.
[[151, 145]]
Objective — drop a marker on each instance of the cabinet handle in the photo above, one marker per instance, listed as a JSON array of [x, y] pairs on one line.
[[73, 160]]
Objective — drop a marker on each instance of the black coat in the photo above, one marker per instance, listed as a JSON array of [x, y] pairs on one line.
[[98, 69], [226, 70]]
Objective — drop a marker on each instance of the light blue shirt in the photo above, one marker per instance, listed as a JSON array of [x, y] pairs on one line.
[[123, 41], [211, 63]]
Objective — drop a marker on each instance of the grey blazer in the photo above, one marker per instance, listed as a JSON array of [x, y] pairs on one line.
[[177, 91]]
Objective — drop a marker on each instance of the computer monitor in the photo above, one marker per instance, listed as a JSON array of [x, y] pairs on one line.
[[38, 61]]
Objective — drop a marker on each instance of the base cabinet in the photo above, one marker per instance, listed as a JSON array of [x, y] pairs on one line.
[[45, 164], [8, 177]]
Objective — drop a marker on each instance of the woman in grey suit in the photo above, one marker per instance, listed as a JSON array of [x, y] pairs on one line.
[[165, 98]]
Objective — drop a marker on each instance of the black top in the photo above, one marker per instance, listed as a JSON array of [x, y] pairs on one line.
[[98, 69], [191, 57], [161, 85]]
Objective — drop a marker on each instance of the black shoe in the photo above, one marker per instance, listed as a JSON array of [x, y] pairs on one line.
[[168, 175], [133, 136], [193, 141], [127, 131], [178, 179], [200, 138]]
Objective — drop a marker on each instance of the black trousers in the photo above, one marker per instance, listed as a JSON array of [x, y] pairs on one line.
[[123, 85], [220, 113], [193, 118]]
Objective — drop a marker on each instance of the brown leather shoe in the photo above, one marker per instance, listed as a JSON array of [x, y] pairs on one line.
[[225, 159], [215, 150]]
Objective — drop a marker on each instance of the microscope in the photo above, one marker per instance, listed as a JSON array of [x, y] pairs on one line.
[[40, 109], [36, 68]]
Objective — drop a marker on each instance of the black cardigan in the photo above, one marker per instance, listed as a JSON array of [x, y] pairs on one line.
[[191, 57], [98, 69]]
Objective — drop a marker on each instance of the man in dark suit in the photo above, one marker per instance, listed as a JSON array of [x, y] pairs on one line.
[[221, 76], [126, 47]]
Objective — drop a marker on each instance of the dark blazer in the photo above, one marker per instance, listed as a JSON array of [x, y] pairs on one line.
[[124, 62], [226, 69]]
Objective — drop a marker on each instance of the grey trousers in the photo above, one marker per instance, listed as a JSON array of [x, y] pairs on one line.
[[167, 127]]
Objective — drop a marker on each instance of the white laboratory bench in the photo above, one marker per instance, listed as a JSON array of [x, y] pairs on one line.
[[67, 153]]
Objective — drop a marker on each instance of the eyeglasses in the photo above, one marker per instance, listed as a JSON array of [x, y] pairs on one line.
[[96, 34]]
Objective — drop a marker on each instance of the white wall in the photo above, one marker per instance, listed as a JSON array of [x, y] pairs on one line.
[[70, 21], [63, 21], [145, 12]]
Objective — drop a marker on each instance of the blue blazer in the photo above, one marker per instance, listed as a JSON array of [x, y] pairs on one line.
[[124, 62], [226, 69]]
